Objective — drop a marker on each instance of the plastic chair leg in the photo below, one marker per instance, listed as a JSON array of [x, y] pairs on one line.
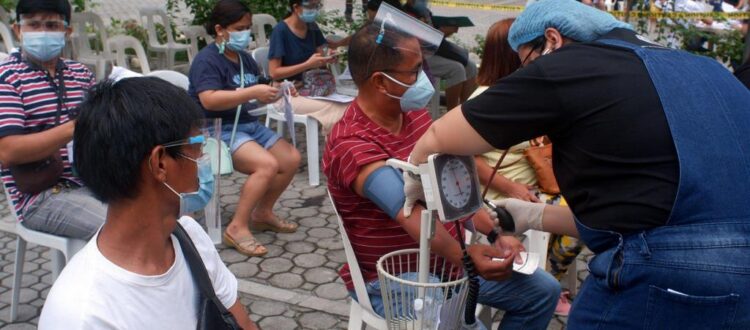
[[17, 275], [170, 59], [355, 317], [58, 262], [313, 157]]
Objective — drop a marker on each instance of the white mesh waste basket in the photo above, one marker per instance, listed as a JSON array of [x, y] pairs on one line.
[[437, 304]]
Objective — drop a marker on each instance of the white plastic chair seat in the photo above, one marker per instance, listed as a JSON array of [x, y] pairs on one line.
[[311, 137]]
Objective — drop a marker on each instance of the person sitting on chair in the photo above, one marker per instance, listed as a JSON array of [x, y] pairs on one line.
[[384, 122], [257, 151], [39, 94]]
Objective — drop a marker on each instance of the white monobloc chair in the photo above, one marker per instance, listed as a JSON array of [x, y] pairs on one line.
[[119, 44], [62, 250], [194, 33], [259, 28], [361, 312], [311, 125], [7, 36], [82, 42], [168, 50]]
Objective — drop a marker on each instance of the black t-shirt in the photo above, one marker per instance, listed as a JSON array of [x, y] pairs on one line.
[[613, 153], [743, 74]]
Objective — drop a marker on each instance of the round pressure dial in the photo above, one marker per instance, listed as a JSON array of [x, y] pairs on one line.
[[456, 183]]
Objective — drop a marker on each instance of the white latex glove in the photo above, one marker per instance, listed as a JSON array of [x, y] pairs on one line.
[[413, 191], [526, 215]]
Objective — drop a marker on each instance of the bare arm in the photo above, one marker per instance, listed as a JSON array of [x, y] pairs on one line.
[[559, 220], [277, 71], [238, 311], [218, 100], [501, 183], [451, 134], [443, 243], [26, 148]]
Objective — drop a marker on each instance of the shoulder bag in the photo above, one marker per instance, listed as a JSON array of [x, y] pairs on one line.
[[212, 315], [38, 176], [539, 156]]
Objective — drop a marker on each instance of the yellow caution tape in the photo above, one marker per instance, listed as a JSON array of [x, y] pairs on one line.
[[637, 14]]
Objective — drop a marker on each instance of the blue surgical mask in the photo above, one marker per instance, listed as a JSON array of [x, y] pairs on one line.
[[309, 15], [239, 40], [197, 200], [43, 46], [417, 95]]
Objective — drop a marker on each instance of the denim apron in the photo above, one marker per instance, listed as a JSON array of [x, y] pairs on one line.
[[693, 272]]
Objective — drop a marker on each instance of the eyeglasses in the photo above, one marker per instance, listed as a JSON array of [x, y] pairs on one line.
[[36, 25], [191, 140]]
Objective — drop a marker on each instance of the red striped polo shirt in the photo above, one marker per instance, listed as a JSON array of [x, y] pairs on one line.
[[354, 142], [28, 102]]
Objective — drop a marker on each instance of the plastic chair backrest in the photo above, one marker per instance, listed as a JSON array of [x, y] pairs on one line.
[[351, 259], [118, 45], [3, 56], [193, 33], [259, 28], [7, 36], [260, 55], [81, 41], [174, 77], [150, 13]]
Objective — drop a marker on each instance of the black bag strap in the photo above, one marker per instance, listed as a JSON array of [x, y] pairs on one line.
[[197, 268]]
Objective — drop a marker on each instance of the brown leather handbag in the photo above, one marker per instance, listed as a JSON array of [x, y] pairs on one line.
[[539, 157]]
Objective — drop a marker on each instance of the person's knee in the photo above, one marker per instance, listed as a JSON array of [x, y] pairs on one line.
[[268, 166], [293, 159]]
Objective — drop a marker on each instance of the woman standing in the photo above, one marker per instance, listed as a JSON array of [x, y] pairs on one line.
[[270, 162]]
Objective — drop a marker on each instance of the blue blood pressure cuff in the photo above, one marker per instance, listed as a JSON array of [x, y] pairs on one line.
[[385, 188]]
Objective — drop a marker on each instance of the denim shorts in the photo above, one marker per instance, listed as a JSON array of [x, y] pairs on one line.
[[246, 132]]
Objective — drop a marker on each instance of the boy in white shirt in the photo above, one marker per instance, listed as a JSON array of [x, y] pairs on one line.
[[137, 145]]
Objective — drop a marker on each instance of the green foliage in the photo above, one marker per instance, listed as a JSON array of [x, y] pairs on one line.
[[201, 9], [725, 46]]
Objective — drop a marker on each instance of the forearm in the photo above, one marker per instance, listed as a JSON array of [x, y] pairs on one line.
[[442, 243], [279, 72], [451, 134], [559, 220], [482, 222], [244, 321], [484, 172], [220, 100], [27, 148]]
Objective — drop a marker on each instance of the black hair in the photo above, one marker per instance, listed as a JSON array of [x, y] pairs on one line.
[[374, 5], [367, 56], [226, 13], [25, 7], [118, 126]]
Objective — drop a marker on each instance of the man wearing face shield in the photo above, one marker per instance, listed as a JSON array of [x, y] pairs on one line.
[[39, 94], [654, 165], [139, 148], [384, 122]]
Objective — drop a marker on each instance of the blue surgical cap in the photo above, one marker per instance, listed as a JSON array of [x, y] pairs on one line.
[[573, 19]]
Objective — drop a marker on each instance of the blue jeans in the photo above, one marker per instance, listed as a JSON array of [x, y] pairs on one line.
[[528, 300], [684, 277]]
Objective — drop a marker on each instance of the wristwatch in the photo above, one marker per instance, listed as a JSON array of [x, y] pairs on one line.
[[494, 234]]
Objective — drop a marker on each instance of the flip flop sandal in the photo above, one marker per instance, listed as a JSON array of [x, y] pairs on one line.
[[277, 225], [246, 245]]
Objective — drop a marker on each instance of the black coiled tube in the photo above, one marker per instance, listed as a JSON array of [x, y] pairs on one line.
[[473, 294]]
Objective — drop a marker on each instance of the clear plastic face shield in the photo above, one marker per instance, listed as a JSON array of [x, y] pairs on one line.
[[411, 41]]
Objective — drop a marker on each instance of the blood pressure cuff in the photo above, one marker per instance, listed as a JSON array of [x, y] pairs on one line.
[[385, 188]]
